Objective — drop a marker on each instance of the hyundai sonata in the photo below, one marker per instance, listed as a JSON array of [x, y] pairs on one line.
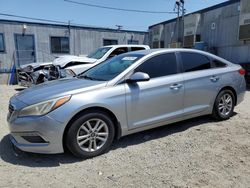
[[129, 93]]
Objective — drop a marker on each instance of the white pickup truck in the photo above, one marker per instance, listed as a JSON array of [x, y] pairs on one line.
[[70, 65]]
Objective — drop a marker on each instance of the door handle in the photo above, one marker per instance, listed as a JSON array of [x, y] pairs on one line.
[[176, 86], [214, 78]]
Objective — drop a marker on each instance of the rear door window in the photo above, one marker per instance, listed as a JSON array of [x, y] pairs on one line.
[[218, 64], [137, 48], [194, 61], [118, 51]]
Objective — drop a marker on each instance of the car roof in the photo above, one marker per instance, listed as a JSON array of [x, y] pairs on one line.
[[162, 50], [166, 50], [128, 45]]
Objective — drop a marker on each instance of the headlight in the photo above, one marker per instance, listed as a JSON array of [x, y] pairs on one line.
[[43, 108], [63, 73]]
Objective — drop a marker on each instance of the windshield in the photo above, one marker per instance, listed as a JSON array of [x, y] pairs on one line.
[[99, 53], [111, 68]]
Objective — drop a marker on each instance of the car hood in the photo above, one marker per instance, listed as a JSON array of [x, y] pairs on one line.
[[57, 88], [78, 69], [35, 65], [62, 61]]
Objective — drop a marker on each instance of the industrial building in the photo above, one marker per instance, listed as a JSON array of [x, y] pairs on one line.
[[223, 29], [27, 42]]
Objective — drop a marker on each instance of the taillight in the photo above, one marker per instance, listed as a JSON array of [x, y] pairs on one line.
[[242, 71]]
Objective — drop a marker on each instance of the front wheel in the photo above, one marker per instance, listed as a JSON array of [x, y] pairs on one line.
[[224, 105], [90, 135]]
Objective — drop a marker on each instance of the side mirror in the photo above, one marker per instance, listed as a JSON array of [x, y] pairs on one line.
[[139, 77]]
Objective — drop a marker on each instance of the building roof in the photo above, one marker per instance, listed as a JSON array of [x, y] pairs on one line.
[[67, 26], [226, 3]]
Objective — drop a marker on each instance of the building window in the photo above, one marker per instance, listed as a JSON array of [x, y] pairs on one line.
[[158, 44], [133, 42], [107, 42], [59, 45], [2, 46], [162, 44]]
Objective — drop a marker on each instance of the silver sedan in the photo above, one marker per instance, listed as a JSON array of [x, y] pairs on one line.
[[129, 93]]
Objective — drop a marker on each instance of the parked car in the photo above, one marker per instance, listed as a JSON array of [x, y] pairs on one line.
[[70, 65], [129, 93], [246, 66]]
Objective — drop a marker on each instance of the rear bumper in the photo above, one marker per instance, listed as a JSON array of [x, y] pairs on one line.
[[240, 98], [241, 91]]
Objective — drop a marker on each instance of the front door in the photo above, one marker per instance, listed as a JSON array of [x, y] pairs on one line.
[[161, 98], [25, 49]]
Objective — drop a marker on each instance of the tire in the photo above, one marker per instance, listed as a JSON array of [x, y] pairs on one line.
[[90, 135], [224, 105]]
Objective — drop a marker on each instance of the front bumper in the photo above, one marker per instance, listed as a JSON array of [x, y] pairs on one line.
[[37, 134]]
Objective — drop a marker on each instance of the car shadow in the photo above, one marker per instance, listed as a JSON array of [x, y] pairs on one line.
[[16, 157], [163, 131]]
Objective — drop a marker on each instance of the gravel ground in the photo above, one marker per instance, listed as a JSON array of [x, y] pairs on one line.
[[194, 153]]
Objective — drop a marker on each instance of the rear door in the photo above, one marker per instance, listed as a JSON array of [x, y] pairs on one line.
[[159, 99], [201, 82]]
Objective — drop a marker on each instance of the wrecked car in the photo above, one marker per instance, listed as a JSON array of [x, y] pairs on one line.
[[70, 65]]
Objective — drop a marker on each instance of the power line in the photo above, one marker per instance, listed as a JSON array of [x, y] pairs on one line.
[[54, 21], [30, 18], [46, 20], [119, 9]]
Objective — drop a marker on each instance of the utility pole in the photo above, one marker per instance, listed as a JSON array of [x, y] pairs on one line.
[[183, 8], [119, 27], [179, 6], [183, 14], [69, 24]]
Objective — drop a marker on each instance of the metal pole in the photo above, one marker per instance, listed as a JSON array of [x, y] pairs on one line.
[[178, 19], [183, 24]]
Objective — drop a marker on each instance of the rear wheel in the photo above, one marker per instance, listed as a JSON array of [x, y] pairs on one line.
[[224, 105], [90, 135]]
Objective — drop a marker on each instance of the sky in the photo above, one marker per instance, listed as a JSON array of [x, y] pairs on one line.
[[61, 10]]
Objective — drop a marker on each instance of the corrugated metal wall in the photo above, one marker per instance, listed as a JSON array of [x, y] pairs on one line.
[[82, 40], [223, 39]]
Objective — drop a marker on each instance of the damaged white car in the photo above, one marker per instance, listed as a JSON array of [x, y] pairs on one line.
[[70, 65]]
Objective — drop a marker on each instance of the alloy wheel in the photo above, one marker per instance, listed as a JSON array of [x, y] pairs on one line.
[[225, 104], [92, 135]]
